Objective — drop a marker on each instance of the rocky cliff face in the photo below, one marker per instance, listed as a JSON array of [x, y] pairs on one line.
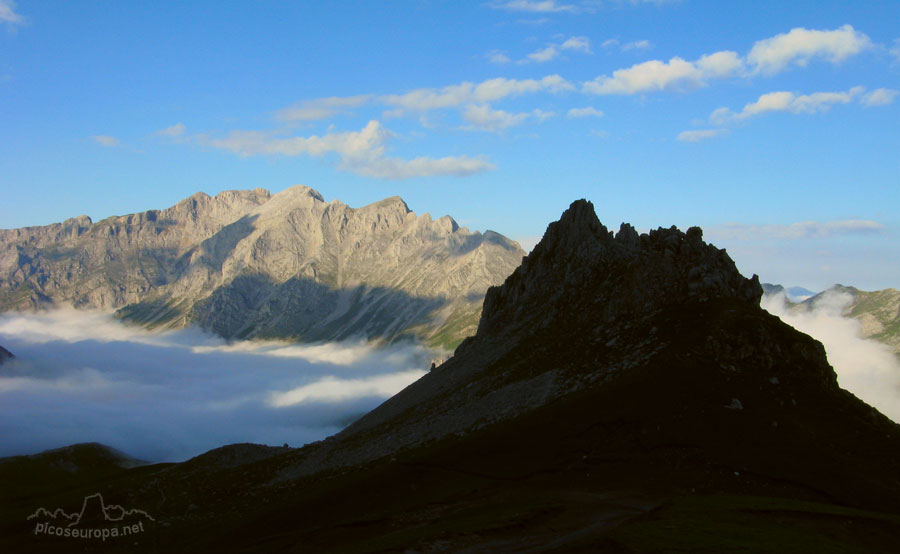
[[250, 264]]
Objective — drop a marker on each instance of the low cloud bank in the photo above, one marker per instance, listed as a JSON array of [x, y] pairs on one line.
[[865, 367], [82, 376]]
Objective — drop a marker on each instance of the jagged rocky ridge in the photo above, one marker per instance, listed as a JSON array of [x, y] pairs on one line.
[[613, 381], [249, 264]]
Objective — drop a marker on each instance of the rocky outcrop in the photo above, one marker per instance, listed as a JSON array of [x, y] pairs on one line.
[[5, 355], [249, 264]]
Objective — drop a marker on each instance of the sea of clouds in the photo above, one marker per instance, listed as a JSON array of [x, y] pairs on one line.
[[82, 376], [865, 367]]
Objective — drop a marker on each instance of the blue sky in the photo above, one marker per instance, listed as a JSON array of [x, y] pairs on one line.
[[773, 125]]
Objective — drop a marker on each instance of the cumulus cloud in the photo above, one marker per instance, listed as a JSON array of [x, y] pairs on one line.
[[362, 152], [588, 111], [8, 13], [767, 57], [82, 376], [700, 134], [799, 46], [879, 97], [800, 230], [677, 75], [106, 140], [867, 368], [321, 108], [784, 101]]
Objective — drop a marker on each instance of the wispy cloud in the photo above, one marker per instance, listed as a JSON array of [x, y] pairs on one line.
[[554, 50], [879, 97], [336, 389], [8, 13], [498, 57], [799, 46], [588, 111], [483, 118], [784, 101], [801, 230], [700, 134], [106, 140], [637, 45], [173, 131], [363, 152], [534, 6], [491, 90], [321, 108]]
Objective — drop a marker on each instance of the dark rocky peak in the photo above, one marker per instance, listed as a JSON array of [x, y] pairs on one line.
[[610, 277], [5, 355]]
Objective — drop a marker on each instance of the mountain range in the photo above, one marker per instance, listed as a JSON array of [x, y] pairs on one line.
[[249, 264], [878, 312], [623, 392]]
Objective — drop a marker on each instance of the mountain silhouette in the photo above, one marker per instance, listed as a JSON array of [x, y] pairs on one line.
[[624, 392]]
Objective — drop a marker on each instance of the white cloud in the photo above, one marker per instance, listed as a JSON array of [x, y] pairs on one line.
[[700, 134], [362, 152], [173, 131], [800, 230], [879, 97], [637, 45], [495, 56], [83, 376], [579, 44], [588, 111], [453, 96], [321, 108], [534, 6], [552, 51], [333, 389], [609, 43], [106, 140], [8, 13], [799, 46], [786, 101], [865, 367], [676, 74], [483, 118], [544, 54]]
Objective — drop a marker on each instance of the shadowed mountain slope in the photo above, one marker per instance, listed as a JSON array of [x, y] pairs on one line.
[[624, 393]]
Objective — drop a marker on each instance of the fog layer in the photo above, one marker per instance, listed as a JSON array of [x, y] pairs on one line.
[[82, 376], [865, 367]]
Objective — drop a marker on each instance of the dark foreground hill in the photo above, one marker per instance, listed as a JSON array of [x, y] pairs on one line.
[[624, 393]]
